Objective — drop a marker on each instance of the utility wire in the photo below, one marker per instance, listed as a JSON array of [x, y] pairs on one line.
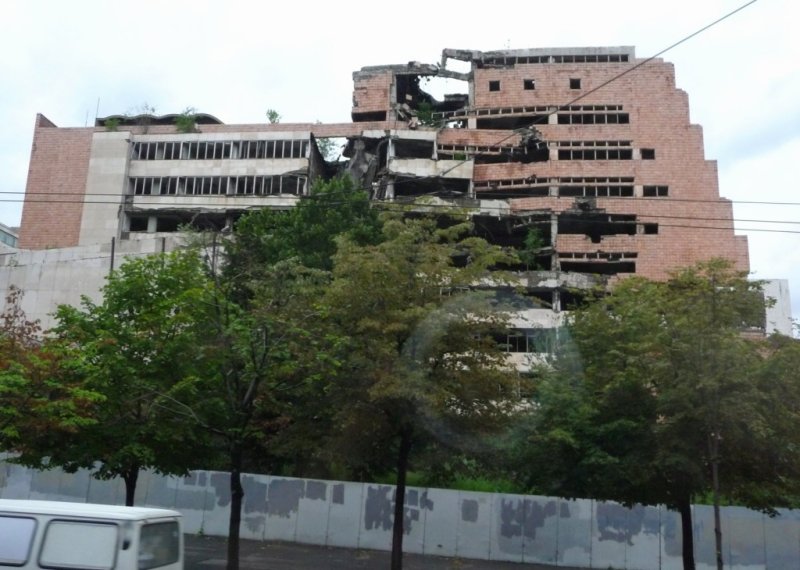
[[644, 217]]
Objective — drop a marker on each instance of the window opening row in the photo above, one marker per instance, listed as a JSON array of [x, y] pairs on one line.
[[217, 185], [590, 143], [593, 119], [219, 150], [595, 154], [585, 58], [596, 191]]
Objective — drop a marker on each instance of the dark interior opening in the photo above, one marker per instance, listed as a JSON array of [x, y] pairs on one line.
[[409, 148], [511, 122], [599, 267]]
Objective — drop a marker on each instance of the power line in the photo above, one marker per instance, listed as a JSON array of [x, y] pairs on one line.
[[398, 206], [481, 196]]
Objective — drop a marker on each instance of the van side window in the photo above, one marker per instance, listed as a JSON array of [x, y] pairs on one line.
[[16, 537], [75, 544], [159, 545]]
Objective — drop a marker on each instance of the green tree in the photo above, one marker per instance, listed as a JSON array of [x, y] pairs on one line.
[[38, 393], [260, 352], [137, 349], [657, 400], [307, 232], [268, 348], [273, 116], [186, 121], [418, 356]]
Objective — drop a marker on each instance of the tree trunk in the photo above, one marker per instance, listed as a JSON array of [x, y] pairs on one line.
[[687, 532], [715, 489], [400, 500], [237, 493], [130, 477]]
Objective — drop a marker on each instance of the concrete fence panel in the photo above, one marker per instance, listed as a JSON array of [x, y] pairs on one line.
[[441, 522], [313, 512], [782, 539], [525, 529], [540, 531], [345, 514], [475, 525], [671, 542], [575, 533]]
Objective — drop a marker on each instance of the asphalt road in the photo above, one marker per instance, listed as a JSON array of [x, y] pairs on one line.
[[208, 553]]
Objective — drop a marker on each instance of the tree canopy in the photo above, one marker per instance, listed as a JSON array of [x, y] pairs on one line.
[[138, 350], [418, 356], [660, 398]]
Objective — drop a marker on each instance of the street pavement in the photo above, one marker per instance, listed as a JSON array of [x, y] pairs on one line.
[[209, 553]]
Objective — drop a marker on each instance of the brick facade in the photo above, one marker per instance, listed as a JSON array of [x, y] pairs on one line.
[[51, 214]]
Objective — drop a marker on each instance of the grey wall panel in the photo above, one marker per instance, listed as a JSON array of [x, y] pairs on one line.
[[73, 486], [312, 517], [441, 526], [107, 492], [377, 511], [671, 540], [475, 525], [703, 523], [191, 496], [782, 538], [217, 511], [540, 531], [508, 522], [16, 481], [417, 505], [254, 506], [159, 490], [611, 534], [344, 514], [743, 539], [44, 484], [575, 521], [643, 542], [283, 503]]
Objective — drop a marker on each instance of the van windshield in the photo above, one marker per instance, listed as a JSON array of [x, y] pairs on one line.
[[159, 545]]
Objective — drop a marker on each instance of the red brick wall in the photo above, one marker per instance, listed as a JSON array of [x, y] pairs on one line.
[[371, 93], [51, 213]]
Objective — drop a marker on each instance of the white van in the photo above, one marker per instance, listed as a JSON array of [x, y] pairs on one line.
[[61, 536]]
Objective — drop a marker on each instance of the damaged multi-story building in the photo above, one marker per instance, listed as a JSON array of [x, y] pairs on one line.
[[589, 150]]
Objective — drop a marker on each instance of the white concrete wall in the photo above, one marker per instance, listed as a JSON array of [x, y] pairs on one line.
[[779, 315], [106, 185], [53, 277], [485, 526]]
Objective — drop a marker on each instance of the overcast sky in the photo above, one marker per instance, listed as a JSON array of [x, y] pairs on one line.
[[236, 59]]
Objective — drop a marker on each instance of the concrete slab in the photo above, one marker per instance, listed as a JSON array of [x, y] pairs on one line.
[[475, 525], [575, 533], [441, 530], [377, 508], [312, 516], [282, 507], [344, 514], [540, 531]]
